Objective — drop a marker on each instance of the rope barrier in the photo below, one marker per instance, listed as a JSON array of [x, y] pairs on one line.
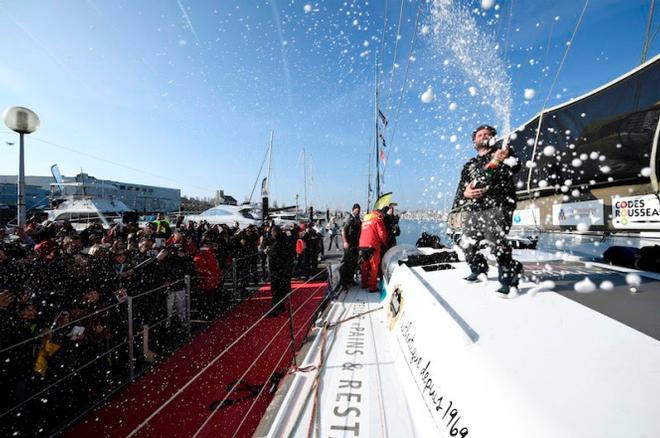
[[164, 286], [210, 364], [254, 362], [58, 328], [284, 352], [62, 379], [104, 309]]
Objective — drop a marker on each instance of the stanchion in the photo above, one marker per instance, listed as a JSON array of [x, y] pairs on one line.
[[131, 345], [188, 323], [234, 277], [291, 330]]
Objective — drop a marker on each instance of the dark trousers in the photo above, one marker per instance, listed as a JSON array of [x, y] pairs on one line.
[[491, 227], [348, 265], [333, 238], [280, 286]]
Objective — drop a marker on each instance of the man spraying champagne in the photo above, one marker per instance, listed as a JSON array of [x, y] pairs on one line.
[[486, 194]]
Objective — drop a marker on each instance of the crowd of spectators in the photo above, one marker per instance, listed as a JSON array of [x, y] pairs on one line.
[[63, 294]]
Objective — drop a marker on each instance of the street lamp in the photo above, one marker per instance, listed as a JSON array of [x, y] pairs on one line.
[[23, 121]]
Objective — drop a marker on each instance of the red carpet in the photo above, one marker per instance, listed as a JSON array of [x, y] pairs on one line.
[[186, 413]]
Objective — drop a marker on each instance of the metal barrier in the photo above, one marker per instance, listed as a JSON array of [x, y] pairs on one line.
[[136, 321], [247, 268], [289, 322], [80, 373]]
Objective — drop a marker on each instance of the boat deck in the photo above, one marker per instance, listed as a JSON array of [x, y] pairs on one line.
[[455, 360], [359, 381]]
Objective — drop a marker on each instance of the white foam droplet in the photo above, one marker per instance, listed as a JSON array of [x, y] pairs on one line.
[[427, 96], [547, 284], [607, 285], [307, 8], [549, 151], [585, 286], [487, 4], [453, 106], [529, 93], [646, 172], [633, 279]]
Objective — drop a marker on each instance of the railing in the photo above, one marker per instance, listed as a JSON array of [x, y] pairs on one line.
[[82, 361], [80, 374], [289, 350]]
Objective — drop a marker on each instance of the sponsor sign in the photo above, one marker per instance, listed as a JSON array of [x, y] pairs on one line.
[[639, 212], [574, 213], [528, 217]]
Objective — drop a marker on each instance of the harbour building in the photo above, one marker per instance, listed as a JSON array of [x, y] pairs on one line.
[[139, 197]]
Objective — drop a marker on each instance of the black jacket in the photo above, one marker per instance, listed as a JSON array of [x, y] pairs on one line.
[[280, 257], [501, 192], [352, 228]]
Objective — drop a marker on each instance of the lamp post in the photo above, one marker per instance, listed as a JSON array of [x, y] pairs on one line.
[[23, 121]]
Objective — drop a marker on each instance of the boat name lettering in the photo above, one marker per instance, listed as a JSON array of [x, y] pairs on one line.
[[429, 388], [348, 393]]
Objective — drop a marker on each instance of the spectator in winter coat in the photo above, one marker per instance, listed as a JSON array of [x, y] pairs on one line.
[[280, 261]]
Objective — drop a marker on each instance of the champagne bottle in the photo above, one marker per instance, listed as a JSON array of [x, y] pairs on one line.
[[486, 173]]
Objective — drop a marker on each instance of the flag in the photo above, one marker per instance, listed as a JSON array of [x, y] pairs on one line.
[[384, 200], [382, 139], [382, 155], [382, 117]]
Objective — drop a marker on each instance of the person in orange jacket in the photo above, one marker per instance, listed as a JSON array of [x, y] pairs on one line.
[[373, 241]]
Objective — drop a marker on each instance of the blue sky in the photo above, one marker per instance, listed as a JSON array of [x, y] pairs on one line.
[[184, 93]]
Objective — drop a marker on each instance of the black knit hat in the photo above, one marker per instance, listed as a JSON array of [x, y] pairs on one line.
[[492, 130], [356, 205]]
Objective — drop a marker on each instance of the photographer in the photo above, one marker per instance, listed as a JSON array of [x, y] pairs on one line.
[[391, 225]]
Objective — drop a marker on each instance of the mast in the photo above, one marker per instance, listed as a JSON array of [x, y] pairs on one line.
[[270, 162], [305, 176], [265, 192], [376, 124]]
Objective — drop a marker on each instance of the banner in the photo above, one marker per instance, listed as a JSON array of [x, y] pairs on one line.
[[528, 217], [636, 212], [574, 213]]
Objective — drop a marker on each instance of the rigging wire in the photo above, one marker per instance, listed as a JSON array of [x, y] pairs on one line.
[[396, 46], [380, 54], [403, 86], [508, 32], [563, 59], [105, 160], [258, 175], [381, 51], [647, 40]]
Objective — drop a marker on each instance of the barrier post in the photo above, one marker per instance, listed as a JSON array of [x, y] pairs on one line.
[[291, 331], [186, 279], [131, 346], [234, 280]]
